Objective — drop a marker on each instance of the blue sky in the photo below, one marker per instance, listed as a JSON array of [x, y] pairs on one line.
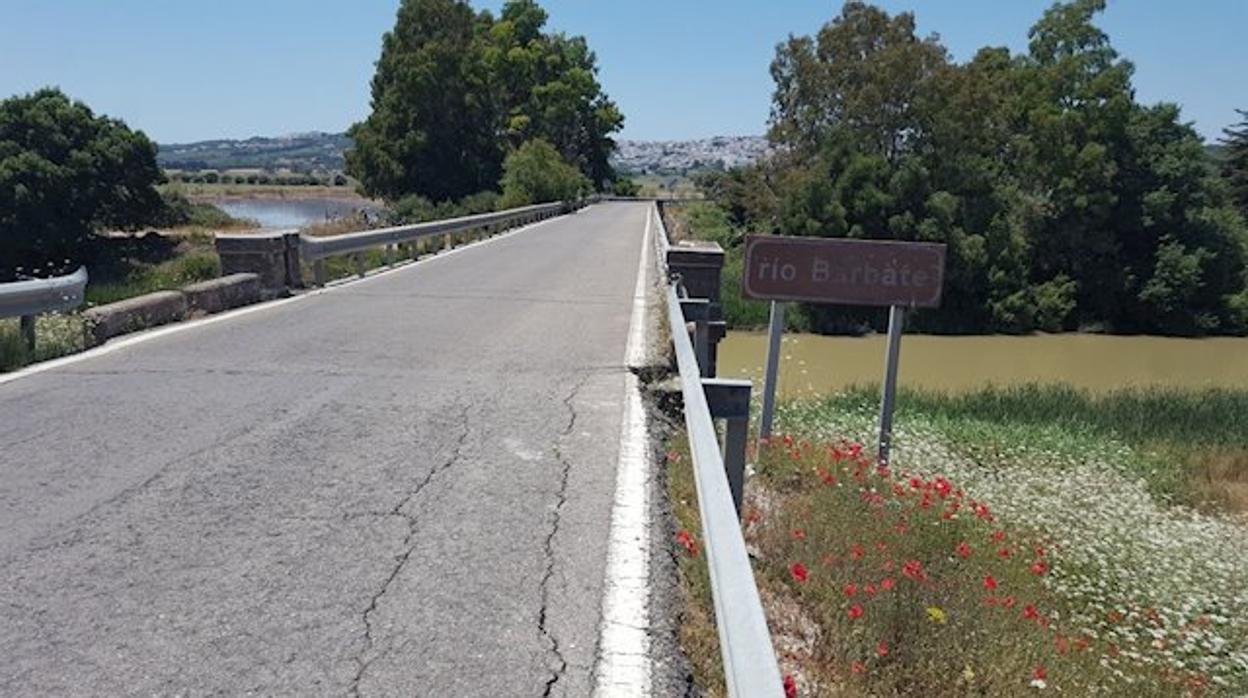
[[679, 69]]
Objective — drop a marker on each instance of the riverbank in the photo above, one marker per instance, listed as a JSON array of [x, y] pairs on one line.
[[225, 192], [1091, 543]]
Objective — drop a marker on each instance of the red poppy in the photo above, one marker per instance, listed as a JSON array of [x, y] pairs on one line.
[[869, 590], [1008, 602], [799, 572], [857, 552], [855, 612], [963, 550], [851, 589], [687, 542], [990, 582], [799, 534], [858, 668], [1030, 612], [1039, 674], [881, 649], [1004, 553], [1039, 569], [790, 687], [887, 584], [914, 570], [998, 536]]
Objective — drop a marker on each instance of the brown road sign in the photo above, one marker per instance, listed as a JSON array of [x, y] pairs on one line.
[[837, 270]]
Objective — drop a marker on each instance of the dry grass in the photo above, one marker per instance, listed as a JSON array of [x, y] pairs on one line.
[[1220, 476]]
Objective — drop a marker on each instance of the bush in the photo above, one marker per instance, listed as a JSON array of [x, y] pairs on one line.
[[536, 173], [65, 171]]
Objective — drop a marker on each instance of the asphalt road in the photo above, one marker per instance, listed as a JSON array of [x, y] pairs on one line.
[[399, 486]]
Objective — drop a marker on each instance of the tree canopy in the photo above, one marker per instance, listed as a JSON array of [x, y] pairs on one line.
[[64, 171], [1064, 203], [455, 92]]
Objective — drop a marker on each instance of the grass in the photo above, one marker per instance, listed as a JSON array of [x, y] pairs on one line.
[[1139, 593], [186, 268], [56, 335]]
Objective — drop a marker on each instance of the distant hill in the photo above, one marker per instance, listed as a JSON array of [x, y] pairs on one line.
[[323, 152], [303, 152]]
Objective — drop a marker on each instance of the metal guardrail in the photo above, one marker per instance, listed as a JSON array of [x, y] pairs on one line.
[[26, 299], [37, 296], [750, 668], [314, 248]]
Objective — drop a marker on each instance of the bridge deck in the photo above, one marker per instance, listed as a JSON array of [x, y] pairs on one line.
[[395, 486]]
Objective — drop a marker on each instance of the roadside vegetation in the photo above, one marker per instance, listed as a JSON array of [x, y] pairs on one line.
[[1021, 539], [1064, 203]]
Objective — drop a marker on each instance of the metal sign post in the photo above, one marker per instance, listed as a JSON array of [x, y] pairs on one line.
[[896, 318], [775, 331]]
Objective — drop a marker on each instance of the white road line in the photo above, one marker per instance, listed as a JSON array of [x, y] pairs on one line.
[[138, 338], [623, 663]]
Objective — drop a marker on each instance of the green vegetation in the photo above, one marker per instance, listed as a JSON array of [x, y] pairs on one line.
[[64, 173], [1234, 161], [535, 173], [455, 91], [186, 267], [1096, 489], [1064, 203]]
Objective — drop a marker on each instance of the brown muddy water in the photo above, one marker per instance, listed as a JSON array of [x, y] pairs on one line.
[[813, 364]]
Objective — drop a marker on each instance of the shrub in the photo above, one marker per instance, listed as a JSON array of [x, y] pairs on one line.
[[536, 173]]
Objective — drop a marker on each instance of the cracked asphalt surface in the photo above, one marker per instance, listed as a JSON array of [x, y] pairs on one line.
[[400, 486]]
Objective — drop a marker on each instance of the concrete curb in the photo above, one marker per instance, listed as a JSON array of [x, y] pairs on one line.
[[225, 293], [164, 307], [141, 312]]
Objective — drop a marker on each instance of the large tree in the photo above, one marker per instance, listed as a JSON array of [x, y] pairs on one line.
[[431, 131], [64, 172], [455, 92]]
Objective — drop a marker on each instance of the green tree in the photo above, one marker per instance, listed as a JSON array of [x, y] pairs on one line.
[[432, 127], [548, 88], [1235, 164], [64, 172], [536, 173], [454, 92]]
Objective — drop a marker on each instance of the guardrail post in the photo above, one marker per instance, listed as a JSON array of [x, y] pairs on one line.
[[730, 400], [699, 265], [698, 311], [359, 264], [318, 272], [28, 332]]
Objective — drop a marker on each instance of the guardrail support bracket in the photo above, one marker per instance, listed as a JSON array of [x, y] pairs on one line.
[[729, 400]]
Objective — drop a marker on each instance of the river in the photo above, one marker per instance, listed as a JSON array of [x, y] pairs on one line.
[[813, 364], [292, 213]]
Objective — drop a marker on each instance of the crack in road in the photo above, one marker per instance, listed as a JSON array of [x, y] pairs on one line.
[[560, 663], [409, 547]]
